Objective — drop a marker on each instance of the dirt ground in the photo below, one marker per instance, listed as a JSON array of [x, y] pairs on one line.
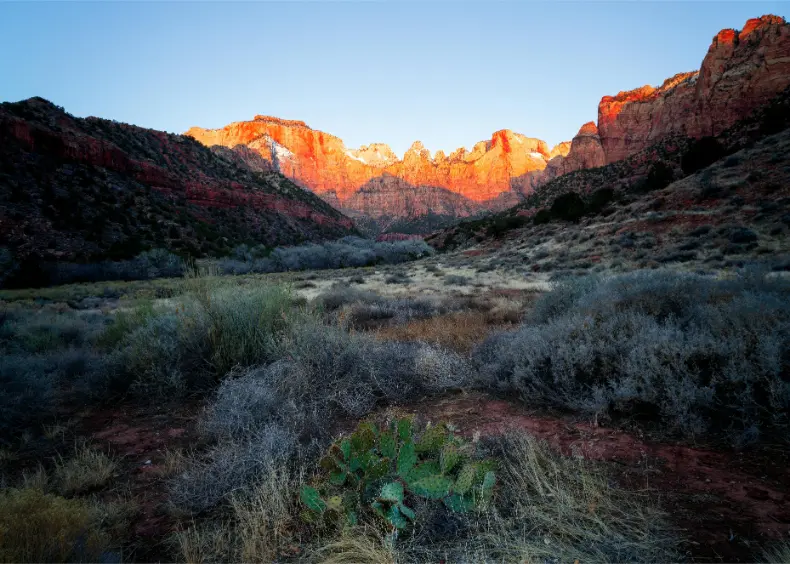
[[726, 501]]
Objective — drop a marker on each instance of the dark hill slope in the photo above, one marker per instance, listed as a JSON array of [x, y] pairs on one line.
[[90, 189]]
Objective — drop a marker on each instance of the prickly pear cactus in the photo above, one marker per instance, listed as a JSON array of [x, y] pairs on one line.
[[381, 472]]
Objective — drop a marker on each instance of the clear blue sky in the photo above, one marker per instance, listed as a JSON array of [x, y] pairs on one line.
[[447, 73]]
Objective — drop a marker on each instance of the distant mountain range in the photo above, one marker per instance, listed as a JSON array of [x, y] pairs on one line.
[[742, 71]]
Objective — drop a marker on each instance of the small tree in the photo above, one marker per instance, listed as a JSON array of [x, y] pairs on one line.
[[702, 153], [568, 207]]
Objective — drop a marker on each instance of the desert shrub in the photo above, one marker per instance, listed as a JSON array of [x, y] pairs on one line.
[[235, 266], [233, 467], [740, 235], [361, 308], [156, 263], [700, 231], [27, 391], [124, 322], [46, 360], [701, 153], [215, 327], [8, 265], [340, 295], [157, 358], [502, 225], [599, 199], [398, 278], [285, 410], [344, 253], [659, 175], [379, 473], [42, 331], [241, 323], [39, 527], [456, 280], [732, 160], [568, 207], [542, 216], [699, 355]]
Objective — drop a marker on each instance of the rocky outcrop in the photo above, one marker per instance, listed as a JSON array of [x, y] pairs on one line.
[[741, 72], [586, 151], [560, 149], [88, 189], [390, 196]]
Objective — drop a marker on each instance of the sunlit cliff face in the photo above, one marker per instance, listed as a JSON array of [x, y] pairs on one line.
[[741, 71], [323, 163]]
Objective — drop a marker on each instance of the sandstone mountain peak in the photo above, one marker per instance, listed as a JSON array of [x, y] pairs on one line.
[[588, 129], [376, 154], [280, 121], [560, 149], [758, 23], [418, 149], [741, 71]]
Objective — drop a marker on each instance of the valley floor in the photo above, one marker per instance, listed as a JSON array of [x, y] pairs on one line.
[[718, 503]]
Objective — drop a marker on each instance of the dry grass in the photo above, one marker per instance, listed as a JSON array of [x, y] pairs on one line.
[[8, 455], [357, 546], [86, 470], [37, 479], [265, 519], [200, 544], [459, 331], [39, 527], [174, 462], [564, 508], [779, 554]]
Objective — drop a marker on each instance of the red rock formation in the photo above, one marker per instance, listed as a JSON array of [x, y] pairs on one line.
[[741, 71], [585, 152], [323, 163], [560, 149], [389, 196]]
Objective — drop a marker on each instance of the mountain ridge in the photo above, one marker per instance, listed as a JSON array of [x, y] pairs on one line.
[[741, 71], [87, 189]]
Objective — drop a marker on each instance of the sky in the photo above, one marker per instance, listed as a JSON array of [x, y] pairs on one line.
[[448, 73]]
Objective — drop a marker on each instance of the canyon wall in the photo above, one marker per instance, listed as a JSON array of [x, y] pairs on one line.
[[742, 71]]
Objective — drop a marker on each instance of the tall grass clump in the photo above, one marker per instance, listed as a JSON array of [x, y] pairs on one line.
[[241, 323], [215, 326], [559, 508], [40, 527], [697, 354]]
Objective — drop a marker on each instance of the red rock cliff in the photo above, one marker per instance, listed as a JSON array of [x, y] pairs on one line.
[[322, 163], [741, 71]]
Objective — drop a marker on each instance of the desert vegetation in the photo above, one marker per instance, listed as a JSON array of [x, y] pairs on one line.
[[244, 259], [302, 444]]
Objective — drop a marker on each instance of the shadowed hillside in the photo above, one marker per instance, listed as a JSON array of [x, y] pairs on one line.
[[90, 189]]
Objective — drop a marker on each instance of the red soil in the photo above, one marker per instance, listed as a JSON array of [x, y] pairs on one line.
[[723, 501]]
